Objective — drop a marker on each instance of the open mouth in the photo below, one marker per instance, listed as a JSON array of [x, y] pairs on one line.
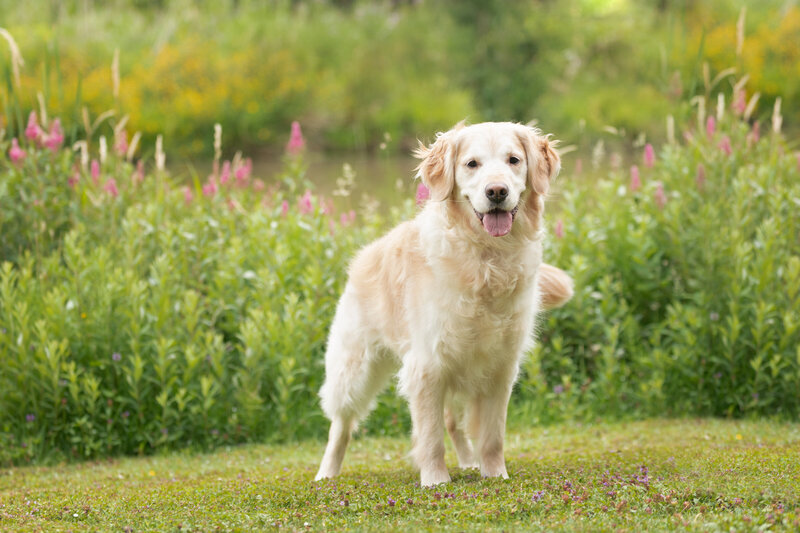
[[497, 222]]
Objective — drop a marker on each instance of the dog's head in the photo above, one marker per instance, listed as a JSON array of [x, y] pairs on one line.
[[490, 171]]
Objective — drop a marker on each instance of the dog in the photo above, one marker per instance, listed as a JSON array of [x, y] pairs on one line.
[[447, 301]]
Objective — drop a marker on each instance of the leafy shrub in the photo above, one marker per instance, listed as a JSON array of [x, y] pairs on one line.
[[137, 314], [688, 285]]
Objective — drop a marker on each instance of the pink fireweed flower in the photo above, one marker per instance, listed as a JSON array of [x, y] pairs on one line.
[[700, 177], [95, 171], [739, 103], [304, 203], [649, 156], [725, 145], [55, 137], [559, 229], [188, 196], [296, 141], [284, 208], [210, 188], [225, 175], [242, 173], [15, 153], [121, 148], [347, 218], [423, 193], [33, 131], [711, 126], [636, 182], [111, 187], [659, 196]]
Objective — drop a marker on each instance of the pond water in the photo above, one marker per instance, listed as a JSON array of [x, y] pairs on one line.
[[387, 178]]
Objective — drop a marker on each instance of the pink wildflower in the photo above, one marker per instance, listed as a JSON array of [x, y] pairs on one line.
[[111, 187], [15, 153], [739, 103], [559, 229], [242, 173], [188, 196], [636, 182], [122, 144], [73, 180], [95, 171], [649, 155], [659, 196], [33, 131], [423, 193], [210, 188], [711, 126], [138, 176], [304, 203], [700, 177], [347, 218], [55, 137], [725, 146], [225, 175], [326, 206], [296, 141], [284, 208]]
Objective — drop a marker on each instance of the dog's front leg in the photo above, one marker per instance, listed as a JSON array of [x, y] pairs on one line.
[[490, 410], [426, 402]]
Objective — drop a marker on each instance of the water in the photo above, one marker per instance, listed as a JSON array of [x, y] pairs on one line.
[[387, 178]]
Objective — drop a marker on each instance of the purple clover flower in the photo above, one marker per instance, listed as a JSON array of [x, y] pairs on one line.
[[116, 356], [30, 417], [538, 495]]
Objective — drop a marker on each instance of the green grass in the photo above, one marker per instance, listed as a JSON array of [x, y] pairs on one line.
[[708, 475]]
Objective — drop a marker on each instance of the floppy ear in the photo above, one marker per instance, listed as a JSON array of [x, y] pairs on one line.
[[543, 161], [437, 168]]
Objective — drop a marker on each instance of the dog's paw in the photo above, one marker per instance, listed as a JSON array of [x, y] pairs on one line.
[[431, 479]]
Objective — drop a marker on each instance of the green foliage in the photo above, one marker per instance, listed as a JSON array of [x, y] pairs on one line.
[[146, 315], [686, 302], [137, 314]]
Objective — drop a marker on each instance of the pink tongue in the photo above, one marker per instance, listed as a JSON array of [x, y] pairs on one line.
[[497, 222]]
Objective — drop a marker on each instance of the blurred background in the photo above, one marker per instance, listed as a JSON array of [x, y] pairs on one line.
[[367, 79]]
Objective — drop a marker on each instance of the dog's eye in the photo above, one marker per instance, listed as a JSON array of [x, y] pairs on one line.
[[472, 163], [513, 160]]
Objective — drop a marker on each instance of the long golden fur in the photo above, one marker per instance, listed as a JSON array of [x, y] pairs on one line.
[[447, 301]]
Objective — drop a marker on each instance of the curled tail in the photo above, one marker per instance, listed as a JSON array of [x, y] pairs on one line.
[[555, 286]]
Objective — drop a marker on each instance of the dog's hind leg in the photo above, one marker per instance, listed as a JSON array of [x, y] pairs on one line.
[[454, 421], [338, 437]]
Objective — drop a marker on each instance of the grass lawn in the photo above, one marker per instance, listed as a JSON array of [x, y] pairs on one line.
[[707, 475]]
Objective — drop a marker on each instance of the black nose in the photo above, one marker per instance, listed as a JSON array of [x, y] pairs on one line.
[[496, 192]]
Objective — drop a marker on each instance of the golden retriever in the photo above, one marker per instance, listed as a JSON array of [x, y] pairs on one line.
[[448, 301]]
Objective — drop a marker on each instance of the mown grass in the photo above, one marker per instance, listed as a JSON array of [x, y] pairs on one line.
[[703, 474]]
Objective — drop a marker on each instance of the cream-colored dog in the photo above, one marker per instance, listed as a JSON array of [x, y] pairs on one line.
[[448, 300]]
